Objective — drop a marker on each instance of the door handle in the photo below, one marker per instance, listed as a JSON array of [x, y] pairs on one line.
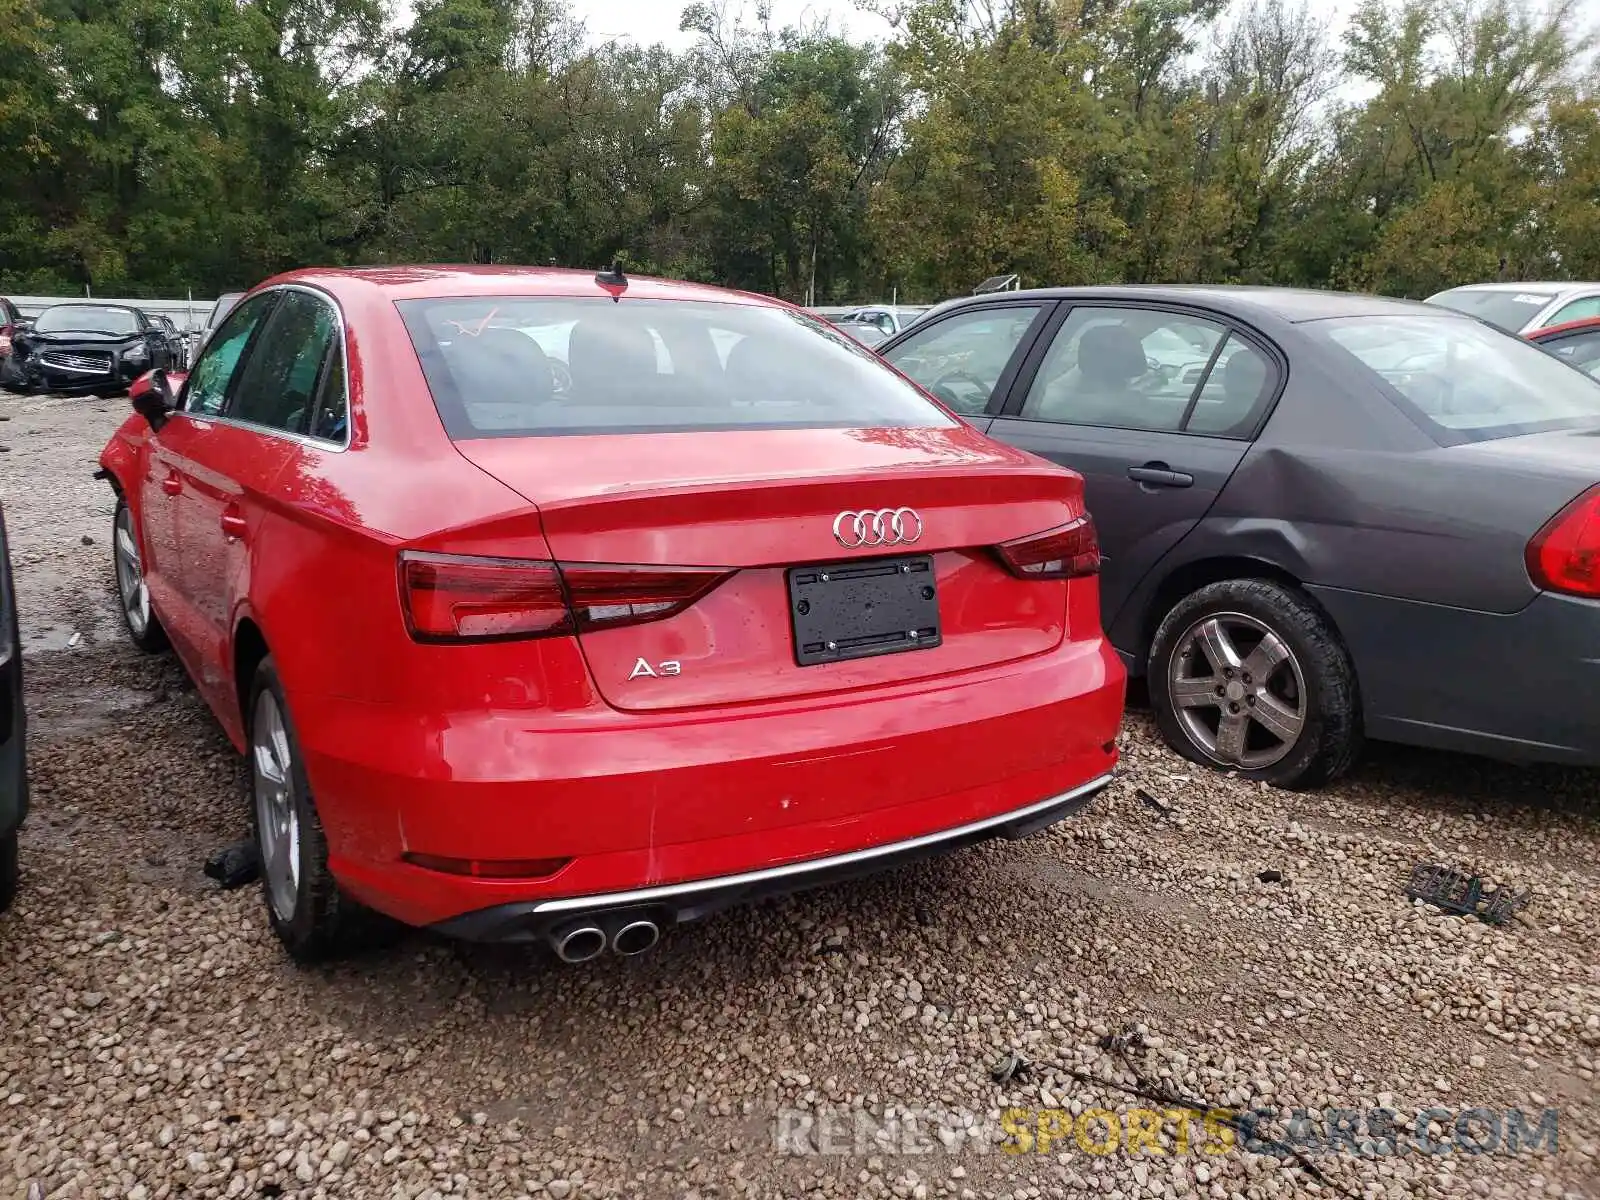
[[1158, 474], [233, 526], [172, 485]]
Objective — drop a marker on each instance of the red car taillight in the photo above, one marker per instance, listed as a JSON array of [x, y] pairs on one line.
[[5, 339], [457, 598], [602, 595], [454, 598], [1068, 552], [1564, 556]]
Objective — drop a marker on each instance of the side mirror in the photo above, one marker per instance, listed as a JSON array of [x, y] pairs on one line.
[[151, 395]]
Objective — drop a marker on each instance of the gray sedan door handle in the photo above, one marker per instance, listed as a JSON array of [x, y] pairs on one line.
[[1158, 474]]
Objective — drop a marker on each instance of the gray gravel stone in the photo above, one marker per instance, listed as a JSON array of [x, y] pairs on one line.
[[156, 1045]]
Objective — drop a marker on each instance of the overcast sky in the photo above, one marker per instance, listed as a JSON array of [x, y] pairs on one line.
[[649, 21]]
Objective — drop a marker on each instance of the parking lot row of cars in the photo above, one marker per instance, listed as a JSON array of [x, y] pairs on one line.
[[560, 607], [99, 349]]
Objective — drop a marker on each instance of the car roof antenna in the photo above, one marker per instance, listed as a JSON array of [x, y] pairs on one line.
[[613, 280]]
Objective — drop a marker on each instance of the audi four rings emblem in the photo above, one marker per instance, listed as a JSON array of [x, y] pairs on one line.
[[879, 527]]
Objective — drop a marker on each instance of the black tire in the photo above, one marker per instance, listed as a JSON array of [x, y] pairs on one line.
[[322, 921], [10, 871], [152, 638], [1329, 707]]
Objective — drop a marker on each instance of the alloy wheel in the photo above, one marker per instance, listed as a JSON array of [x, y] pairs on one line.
[[277, 817], [130, 575], [1237, 690]]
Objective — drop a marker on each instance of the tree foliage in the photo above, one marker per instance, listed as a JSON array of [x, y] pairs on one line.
[[160, 146]]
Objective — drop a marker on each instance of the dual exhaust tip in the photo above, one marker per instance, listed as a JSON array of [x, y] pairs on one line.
[[583, 940]]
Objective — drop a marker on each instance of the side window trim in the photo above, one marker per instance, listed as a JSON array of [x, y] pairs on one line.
[[1231, 327], [320, 391], [1019, 353], [1004, 386], [271, 297], [245, 355], [317, 389], [1028, 367], [1205, 377]]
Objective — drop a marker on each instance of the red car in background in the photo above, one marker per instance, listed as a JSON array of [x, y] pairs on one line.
[[10, 325], [566, 607], [1575, 342]]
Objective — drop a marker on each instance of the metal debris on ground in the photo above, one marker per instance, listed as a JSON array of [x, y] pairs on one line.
[[1010, 1068], [236, 865], [1150, 801], [1464, 895]]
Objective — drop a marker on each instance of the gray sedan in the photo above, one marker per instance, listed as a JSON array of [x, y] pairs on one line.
[[1324, 516]]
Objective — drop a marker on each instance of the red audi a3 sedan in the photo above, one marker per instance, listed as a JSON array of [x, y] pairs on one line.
[[558, 606]]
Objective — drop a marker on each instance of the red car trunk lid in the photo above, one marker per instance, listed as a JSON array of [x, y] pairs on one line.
[[762, 502]]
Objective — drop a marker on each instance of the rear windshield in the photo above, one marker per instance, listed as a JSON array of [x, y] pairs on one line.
[[1467, 382], [512, 367], [1509, 310], [85, 318]]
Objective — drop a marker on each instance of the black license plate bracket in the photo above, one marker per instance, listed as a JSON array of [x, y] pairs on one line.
[[842, 611]]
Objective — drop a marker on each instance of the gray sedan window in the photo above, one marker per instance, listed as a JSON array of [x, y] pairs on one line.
[[1466, 381], [1241, 381], [961, 358], [1126, 368]]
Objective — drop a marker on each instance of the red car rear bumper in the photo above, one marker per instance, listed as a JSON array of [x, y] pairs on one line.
[[643, 803]]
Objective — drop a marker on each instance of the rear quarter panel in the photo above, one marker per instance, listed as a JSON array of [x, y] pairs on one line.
[[1345, 490], [1405, 543], [323, 585]]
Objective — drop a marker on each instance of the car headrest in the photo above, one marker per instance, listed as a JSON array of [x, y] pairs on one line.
[[1244, 376], [1110, 354], [501, 365], [747, 369], [603, 354]]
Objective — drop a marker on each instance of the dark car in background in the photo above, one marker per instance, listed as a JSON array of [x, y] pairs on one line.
[[1323, 516], [98, 348], [13, 732], [177, 340]]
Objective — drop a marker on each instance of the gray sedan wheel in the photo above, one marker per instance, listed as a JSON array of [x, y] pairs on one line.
[[1249, 675], [1238, 691]]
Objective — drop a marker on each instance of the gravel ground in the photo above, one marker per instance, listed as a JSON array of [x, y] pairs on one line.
[[155, 1043]]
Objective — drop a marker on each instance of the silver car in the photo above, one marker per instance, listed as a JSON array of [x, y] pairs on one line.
[[1523, 307], [219, 310]]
